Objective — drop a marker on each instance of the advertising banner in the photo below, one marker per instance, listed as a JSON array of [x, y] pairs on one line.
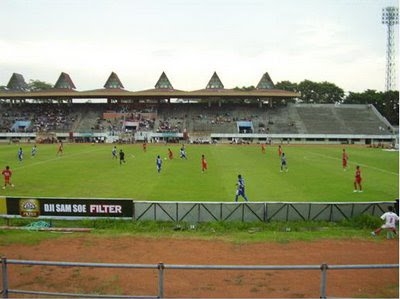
[[35, 207]]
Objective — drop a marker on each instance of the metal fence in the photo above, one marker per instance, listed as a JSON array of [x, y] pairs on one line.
[[161, 268], [194, 212], [184, 211]]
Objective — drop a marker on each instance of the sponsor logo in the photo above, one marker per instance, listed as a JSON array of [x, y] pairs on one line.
[[29, 208]]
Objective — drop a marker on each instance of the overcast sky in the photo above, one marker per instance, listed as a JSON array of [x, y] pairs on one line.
[[339, 41]]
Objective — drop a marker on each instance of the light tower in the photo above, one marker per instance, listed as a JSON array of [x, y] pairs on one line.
[[390, 17]]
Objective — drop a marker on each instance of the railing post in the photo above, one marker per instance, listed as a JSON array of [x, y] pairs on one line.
[[5, 276], [324, 269], [161, 268]]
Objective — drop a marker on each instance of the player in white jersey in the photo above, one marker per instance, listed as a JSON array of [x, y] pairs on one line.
[[390, 219], [114, 152], [33, 151]]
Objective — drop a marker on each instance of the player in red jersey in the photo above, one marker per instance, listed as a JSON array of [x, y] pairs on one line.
[[203, 163], [144, 146], [170, 154], [7, 173], [357, 180], [263, 148], [60, 148], [345, 157], [280, 150]]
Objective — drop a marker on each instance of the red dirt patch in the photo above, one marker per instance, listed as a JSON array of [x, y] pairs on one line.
[[205, 283]]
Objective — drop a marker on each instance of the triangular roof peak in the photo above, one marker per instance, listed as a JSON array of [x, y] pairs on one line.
[[265, 82], [113, 82], [17, 82], [163, 82], [215, 82], [64, 82]]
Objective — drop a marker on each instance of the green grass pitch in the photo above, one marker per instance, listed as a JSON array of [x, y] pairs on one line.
[[315, 173]]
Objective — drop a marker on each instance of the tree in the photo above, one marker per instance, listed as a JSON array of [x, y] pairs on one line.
[[37, 85], [287, 85], [391, 109], [245, 88], [369, 96], [324, 93], [354, 98], [387, 103], [308, 91], [330, 93]]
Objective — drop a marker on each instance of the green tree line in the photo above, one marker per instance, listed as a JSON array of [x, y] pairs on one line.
[[387, 103]]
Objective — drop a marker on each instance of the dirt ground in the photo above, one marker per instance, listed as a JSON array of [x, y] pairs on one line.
[[205, 283]]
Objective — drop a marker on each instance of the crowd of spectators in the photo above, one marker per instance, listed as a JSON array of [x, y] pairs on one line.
[[116, 120], [225, 118], [7, 120], [168, 126], [113, 118], [52, 118], [40, 117]]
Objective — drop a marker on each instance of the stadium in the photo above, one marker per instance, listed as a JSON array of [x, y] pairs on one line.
[[240, 132], [164, 114], [199, 149]]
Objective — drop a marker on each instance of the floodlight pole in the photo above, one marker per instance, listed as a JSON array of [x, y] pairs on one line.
[[390, 17]]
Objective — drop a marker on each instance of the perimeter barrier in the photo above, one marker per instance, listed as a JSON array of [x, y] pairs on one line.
[[184, 211], [194, 212], [161, 268]]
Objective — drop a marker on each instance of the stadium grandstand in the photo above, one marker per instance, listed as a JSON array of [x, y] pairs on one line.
[[165, 114]]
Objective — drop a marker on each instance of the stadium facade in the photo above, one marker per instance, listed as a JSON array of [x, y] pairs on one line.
[[213, 114], [64, 90]]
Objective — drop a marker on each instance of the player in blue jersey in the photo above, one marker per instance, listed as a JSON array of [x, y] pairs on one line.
[[283, 163], [158, 163], [240, 191], [182, 152], [20, 154]]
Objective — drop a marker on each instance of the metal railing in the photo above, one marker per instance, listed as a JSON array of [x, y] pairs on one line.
[[161, 267]]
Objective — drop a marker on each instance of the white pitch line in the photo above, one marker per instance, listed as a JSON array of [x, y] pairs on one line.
[[22, 165], [354, 162]]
